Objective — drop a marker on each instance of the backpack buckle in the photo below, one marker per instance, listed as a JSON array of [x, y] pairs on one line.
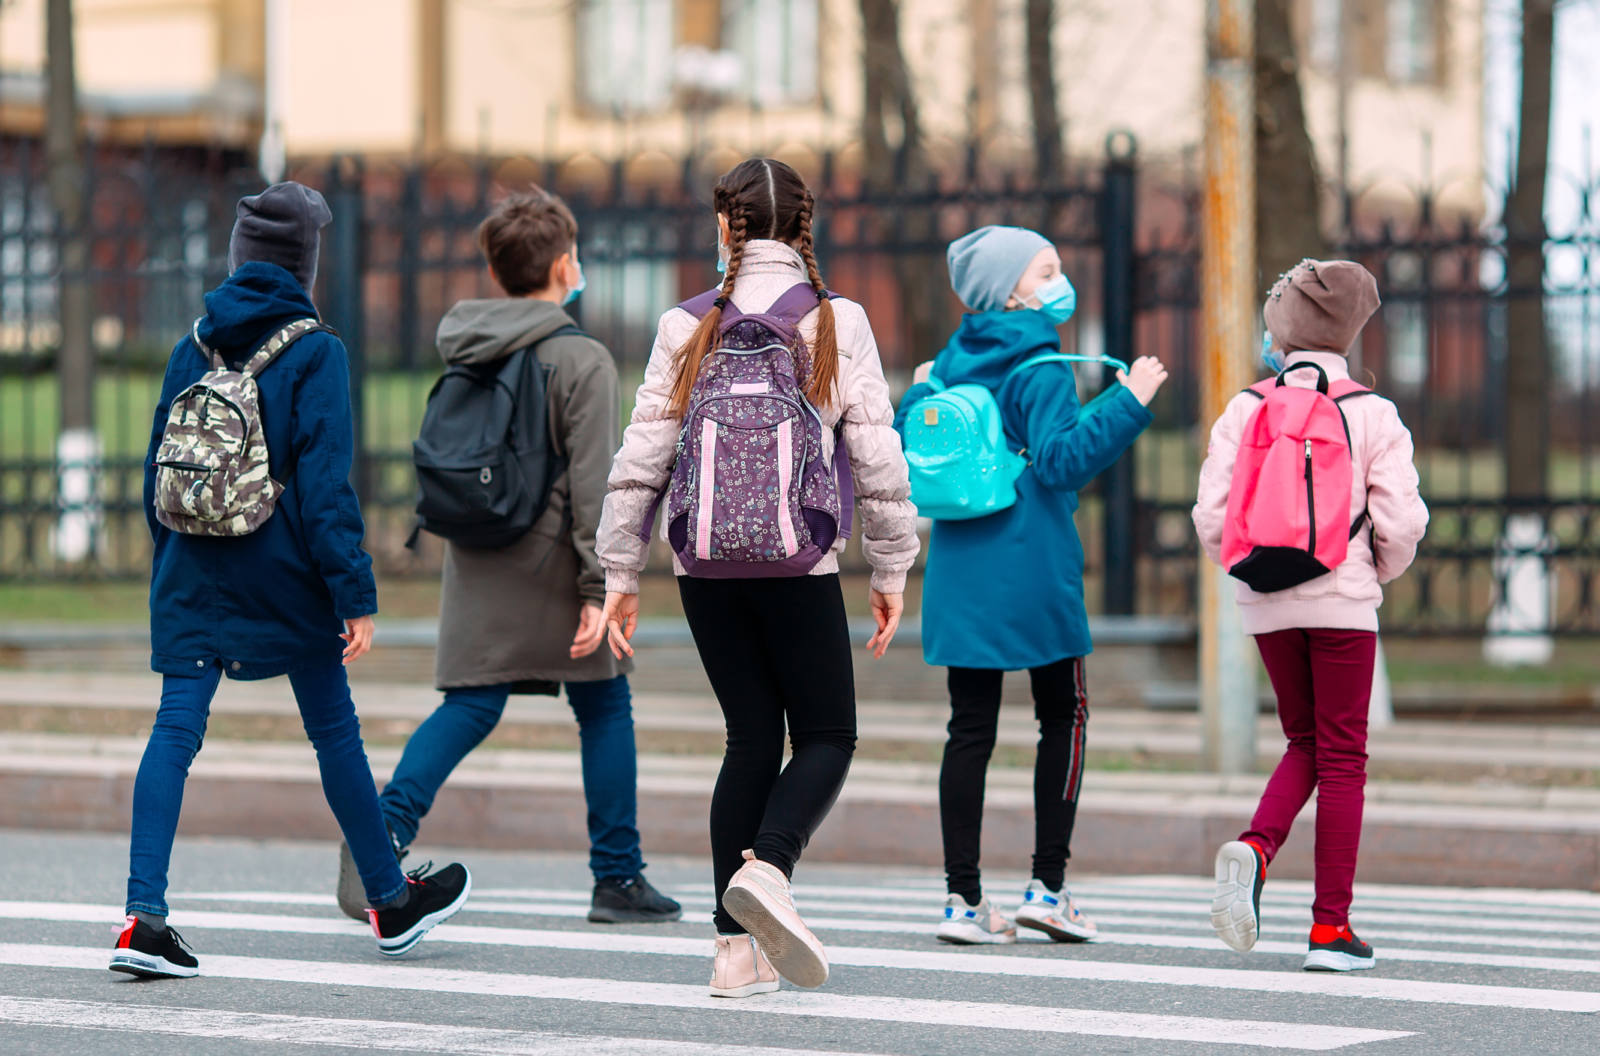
[[485, 475]]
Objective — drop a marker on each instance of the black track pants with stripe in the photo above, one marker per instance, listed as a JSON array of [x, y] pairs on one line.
[[1061, 704]]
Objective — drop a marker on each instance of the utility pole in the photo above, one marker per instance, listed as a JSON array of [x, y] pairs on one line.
[[1227, 319], [272, 157], [77, 445]]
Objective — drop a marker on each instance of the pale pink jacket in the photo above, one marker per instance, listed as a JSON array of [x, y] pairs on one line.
[[886, 521], [1384, 484]]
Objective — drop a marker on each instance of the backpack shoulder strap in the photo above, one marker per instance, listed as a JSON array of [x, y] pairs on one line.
[[279, 342], [700, 305], [1064, 357], [1260, 389], [212, 356], [1348, 390], [797, 302]]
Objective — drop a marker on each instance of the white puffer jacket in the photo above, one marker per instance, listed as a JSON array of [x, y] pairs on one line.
[[887, 522]]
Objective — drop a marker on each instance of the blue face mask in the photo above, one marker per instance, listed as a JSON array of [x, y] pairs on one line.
[[1271, 358], [583, 283], [722, 258], [1056, 299]]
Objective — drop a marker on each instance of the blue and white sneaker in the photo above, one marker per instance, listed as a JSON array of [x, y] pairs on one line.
[[1055, 914], [981, 925]]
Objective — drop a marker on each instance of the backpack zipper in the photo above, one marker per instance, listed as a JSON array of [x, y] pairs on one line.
[[1311, 504]]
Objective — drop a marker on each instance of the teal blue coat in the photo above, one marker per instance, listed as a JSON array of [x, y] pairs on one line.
[[1006, 591]]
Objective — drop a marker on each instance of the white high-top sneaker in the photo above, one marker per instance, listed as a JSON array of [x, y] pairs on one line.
[[759, 898], [741, 969]]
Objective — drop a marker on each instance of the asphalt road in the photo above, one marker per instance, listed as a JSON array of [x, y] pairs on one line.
[[520, 972]]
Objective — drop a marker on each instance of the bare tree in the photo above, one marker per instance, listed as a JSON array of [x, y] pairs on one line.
[[63, 153], [1042, 92], [1288, 186], [897, 173], [1527, 349]]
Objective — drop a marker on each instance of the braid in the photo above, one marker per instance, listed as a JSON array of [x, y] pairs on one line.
[[704, 340], [825, 346]]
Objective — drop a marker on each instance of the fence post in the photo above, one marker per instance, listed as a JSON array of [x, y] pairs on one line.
[[1227, 318], [1118, 484], [411, 220], [346, 304]]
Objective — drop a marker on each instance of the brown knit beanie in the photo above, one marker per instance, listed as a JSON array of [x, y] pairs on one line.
[[1321, 306]]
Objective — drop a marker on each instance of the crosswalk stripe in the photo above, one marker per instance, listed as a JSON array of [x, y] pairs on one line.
[[920, 1011], [1201, 938], [377, 1034], [944, 961]]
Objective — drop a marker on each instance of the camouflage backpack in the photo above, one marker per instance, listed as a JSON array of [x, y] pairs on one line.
[[211, 468]]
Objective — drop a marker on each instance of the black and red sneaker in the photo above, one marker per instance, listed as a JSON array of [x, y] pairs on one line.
[[434, 899], [150, 954], [1337, 950], [1236, 907]]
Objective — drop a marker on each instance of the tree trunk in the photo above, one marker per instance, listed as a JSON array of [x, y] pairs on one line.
[[1288, 187], [1527, 433], [63, 154], [895, 172], [1045, 103]]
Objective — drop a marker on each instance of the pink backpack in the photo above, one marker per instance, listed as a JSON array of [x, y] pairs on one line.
[[1289, 504]]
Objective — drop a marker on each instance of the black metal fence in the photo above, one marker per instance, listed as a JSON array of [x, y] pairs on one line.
[[402, 250]]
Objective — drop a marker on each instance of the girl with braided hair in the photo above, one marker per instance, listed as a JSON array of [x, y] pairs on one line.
[[776, 650]]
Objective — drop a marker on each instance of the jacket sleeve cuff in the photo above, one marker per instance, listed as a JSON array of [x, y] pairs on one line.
[[889, 582], [621, 581]]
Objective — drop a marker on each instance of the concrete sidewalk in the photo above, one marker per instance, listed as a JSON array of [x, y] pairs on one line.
[[1490, 815]]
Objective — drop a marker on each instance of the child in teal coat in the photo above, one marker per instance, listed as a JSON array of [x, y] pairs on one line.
[[1005, 592]]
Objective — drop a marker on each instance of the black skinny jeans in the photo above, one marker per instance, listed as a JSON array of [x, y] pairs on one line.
[[774, 650], [1061, 704]]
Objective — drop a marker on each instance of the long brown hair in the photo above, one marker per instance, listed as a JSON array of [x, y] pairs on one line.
[[763, 198]]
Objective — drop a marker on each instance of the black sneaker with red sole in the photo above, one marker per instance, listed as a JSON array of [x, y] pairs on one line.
[[150, 954], [435, 898]]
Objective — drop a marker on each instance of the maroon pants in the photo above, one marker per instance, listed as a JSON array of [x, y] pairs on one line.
[[1323, 680]]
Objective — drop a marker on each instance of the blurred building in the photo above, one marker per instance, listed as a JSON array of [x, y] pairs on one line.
[[611, 78]]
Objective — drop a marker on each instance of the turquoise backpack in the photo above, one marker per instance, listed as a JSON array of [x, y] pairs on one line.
[[961, 466]]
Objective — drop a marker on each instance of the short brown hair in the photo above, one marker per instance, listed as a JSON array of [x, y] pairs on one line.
[[523, 237]]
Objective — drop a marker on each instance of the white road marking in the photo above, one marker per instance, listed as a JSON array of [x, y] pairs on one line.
[[1201, 937], [932, 960], [368, 1034], [920, 1011]]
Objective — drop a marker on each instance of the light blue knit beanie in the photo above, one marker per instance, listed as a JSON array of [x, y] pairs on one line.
[[986, 265]]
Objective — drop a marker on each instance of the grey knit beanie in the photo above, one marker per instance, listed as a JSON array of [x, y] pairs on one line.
[[281, 226], [986, 265]]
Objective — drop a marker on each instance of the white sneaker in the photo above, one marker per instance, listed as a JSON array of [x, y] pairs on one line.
[[1236, 907], [1055, 914], [760, 899], [981, 925], [740, 969]]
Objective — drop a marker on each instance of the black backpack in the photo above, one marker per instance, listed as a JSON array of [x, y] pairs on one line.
[[484, 458]]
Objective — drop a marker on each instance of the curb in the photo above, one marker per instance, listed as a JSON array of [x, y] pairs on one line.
[[1400, 844]]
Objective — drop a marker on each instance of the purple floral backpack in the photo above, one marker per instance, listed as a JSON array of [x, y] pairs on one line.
[[753, 493]]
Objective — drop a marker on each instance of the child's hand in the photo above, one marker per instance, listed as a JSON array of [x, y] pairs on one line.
[[357, 638], [1144, 379], [591, 631], [922, 373], [621, 620], [886, 610]]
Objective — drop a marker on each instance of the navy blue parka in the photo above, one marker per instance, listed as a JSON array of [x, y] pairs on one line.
[[273, 601]]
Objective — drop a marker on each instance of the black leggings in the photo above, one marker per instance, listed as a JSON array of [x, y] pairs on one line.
[[774, 649], [1061, 703]]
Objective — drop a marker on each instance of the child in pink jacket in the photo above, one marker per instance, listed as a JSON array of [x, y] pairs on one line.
[[1317, 640]]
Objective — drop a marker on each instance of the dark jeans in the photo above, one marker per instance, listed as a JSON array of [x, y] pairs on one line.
[[1061, 704], [610, 765], [775, 651], [329, 717], [1323, 680]]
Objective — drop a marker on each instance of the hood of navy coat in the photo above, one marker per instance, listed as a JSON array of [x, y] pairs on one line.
[[253, 302], [987, 346]]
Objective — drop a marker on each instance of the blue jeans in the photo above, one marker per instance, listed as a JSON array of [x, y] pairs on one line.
[[329, 717], [610, 765]]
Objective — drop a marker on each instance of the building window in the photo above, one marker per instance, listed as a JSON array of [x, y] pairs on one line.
[[1412, 51], [777, 41], [627, 50]]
